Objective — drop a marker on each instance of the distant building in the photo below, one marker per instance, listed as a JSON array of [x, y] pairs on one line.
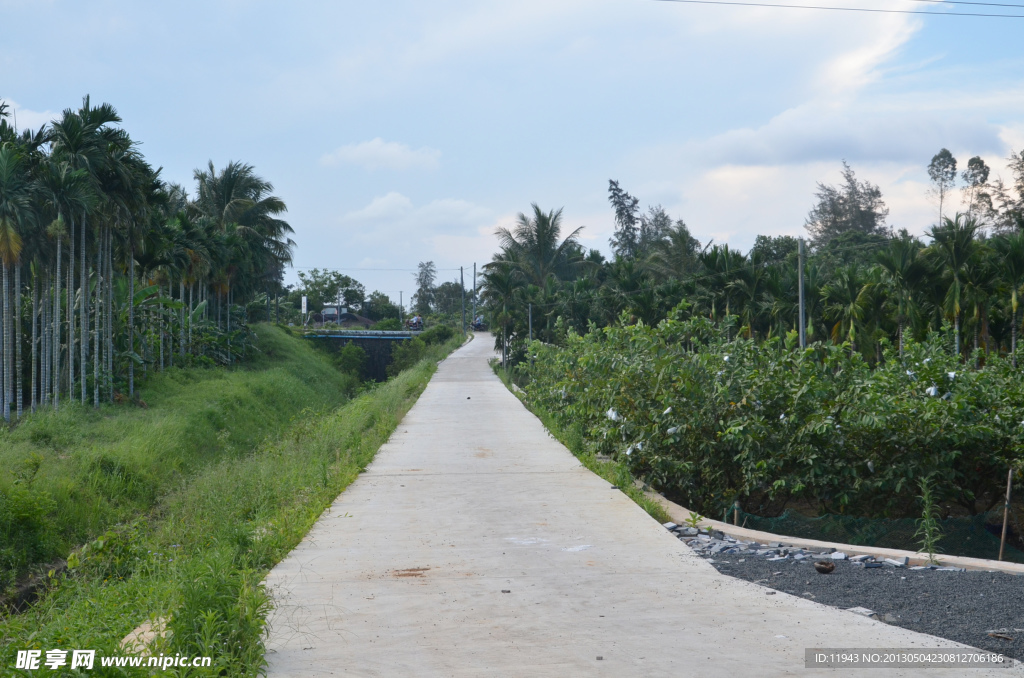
[[352, 320]]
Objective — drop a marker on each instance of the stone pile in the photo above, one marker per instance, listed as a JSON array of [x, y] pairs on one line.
[[710, 543]]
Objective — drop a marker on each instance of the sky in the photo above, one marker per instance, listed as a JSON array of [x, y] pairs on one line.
[[399, 132]]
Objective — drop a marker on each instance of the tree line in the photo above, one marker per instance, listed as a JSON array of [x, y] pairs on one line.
[[108, 270], [865, 283]]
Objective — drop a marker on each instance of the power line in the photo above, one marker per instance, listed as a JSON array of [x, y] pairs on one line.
[[967, 2], [854, 9], [328, 268]]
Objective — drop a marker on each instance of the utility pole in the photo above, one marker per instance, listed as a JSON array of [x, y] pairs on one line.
[[462, 286], [401, 314], [800, 284], [530, 316], [1006, 511], [474, 292]]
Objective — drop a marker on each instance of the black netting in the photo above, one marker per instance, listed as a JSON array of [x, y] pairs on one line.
[[976, 537]]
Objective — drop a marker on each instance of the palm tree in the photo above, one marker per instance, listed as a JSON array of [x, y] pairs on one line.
[[980, 282], [902, 272], [15, 214], [845, 297], [65, 192], [128, 182], [675, 256], [576, 302], [749, 286], [953, 244], [780, 299], [721, 265], [240, 206], [82, 139], [1011, 266], [533, 249], [501, 286], [630, 288]]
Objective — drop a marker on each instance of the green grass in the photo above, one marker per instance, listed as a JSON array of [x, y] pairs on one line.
[[197, 556], [75, 472], [614, 472]]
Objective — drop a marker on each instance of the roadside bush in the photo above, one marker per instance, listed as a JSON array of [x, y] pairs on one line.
[[389, 324], [26, 531], [405, 355], [437, 335], [113, 554], [351, 359], [711, 420], [222, 615]]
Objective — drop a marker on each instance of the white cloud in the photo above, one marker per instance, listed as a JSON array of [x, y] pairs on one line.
[[391, 206], [379, 154], [394, 223], [27, 118], [815, 132], [850, 71]]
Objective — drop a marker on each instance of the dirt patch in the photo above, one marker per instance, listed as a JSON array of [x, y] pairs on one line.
[[410, 572]]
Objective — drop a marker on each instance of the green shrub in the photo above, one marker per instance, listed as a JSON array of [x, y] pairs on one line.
[[114, 554], [406, 354], [712, 420], [26, 531], [222, 615], [389, 324], [351, 359], [437, 335]]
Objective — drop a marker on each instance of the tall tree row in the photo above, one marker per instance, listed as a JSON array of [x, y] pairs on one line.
[[864, 284], [108, 272]]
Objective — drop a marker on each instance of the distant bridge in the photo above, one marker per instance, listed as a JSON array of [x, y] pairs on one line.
[[378, 345]]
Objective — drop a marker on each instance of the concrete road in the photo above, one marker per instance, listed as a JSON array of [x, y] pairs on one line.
[[476, 545]]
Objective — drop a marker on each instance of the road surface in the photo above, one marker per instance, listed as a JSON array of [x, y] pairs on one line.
[[476, 545]]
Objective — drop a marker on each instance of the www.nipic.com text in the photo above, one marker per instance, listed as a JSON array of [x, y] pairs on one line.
[[32, 660]]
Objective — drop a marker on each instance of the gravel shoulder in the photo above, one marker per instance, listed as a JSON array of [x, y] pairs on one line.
[[964, 606]]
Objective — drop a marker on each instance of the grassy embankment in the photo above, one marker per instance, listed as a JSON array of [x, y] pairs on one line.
[[614, 472], [206, 490]]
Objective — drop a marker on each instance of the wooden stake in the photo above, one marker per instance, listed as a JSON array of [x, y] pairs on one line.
[[1006, 511]]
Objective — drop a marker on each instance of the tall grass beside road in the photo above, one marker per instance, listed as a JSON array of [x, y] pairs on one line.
[[197, 558], [66, 476]]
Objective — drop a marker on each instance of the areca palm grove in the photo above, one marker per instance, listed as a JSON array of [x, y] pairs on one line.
[[865, 285], [109, 271]]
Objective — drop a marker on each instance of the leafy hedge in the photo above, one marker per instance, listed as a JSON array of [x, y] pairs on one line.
[[711, 420]]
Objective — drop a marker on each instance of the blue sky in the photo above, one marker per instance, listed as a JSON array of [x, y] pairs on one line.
[[406, 131]]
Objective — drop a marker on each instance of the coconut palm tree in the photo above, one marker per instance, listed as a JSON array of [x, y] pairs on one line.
[[535, 250]]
